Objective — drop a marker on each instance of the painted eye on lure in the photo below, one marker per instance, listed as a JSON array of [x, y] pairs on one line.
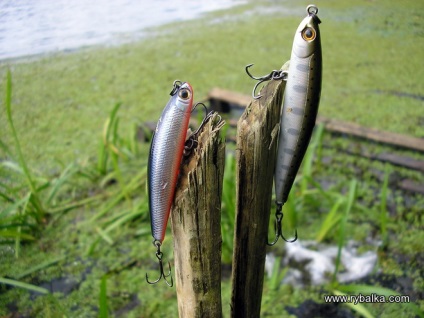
[[184, 94], [308, 34]]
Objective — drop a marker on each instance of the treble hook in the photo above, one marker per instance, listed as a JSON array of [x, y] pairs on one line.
[[273, 75], [278, 230], [204, 107], [159, 255], [191, 142]]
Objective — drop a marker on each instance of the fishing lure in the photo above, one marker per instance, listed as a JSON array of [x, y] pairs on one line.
[[300, 107], [169, 145], [164, 163]]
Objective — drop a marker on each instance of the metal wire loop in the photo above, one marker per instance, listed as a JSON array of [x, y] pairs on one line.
[[175, 87]]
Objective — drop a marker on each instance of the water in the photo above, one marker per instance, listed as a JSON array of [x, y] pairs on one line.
[[30, 27]]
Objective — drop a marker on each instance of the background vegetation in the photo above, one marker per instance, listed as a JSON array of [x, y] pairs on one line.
[[74, 227]]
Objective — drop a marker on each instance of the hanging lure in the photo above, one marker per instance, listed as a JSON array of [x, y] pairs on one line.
[[300, 108], [164, 163], [168, 146]]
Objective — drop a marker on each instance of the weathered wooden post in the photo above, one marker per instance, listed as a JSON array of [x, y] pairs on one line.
[[257, 133], [196, 218]]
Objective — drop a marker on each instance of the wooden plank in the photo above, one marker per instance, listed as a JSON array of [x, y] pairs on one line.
[[229, 97], [333, 125], [385, 137], [411, 186], [255, 160], [196, 226], [401, 161]]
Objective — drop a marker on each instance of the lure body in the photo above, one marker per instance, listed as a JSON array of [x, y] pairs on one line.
[[165, 157], [300, 104]]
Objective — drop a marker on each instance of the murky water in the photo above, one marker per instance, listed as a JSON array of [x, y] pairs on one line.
[[29, 27]]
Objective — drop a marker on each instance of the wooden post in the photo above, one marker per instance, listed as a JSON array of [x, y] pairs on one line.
[[196, 218], [257, 133]]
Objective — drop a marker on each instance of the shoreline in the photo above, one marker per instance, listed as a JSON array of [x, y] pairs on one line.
[[61, 28]]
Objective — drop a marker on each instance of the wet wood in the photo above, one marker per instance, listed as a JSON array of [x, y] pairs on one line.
[[257, 132], [195, 218]]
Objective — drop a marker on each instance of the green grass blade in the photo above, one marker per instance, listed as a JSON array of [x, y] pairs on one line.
[[5, 148], [342, 229], [383, 210], [66, 174], [13, 166], [309, 157], [277, 275], [39, 267], [112, 119], [122, 220], [331, 220], [19, 230], [103, 311], [19, 284], [135, 183], [8, 103], [104, 235], [10, 234], [15, 206], [105, 143], [102, 157]]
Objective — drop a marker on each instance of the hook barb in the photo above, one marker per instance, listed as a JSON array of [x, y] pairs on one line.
[[159, 255], [273, 75], [191, 143], [278, 227]]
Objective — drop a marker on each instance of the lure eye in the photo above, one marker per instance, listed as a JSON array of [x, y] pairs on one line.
[[184, 94], [308, 34]]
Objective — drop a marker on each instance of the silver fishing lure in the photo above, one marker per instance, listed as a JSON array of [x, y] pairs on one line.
[[164, 164], [300, 106], [165, 156], [169, 143]]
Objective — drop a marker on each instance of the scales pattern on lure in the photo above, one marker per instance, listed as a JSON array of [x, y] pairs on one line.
[[300, 103], [165, 156]]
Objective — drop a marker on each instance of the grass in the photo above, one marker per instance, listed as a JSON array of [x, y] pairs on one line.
[[61, 100], [103, 310], [89, 173], [34, 195]]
